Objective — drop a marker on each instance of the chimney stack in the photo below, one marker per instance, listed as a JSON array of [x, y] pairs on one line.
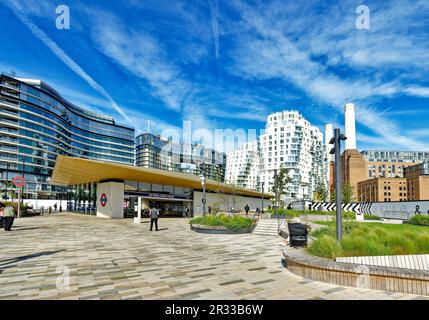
[[349, 126]]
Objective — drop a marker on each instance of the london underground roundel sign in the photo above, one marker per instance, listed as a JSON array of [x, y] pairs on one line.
[[19, 181], [103, 200]]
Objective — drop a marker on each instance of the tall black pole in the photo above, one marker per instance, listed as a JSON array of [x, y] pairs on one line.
[[204, 200], [203, 184], [23, 172], [7, 176], [338, 183], [276, 191], [262, 209]]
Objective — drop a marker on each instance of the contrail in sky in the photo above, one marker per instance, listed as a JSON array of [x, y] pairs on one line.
[[53, 46], [214, 12]]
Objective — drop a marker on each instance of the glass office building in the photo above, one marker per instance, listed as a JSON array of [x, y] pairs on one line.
[[37, 124], [153, 151]]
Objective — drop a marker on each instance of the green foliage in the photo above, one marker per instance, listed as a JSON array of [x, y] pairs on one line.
[[296, 213], [232, 223], [420, 220], [371, 217], [347, 194], [348, 215], [14, 204], [333, 196], [362, 239], [349, 226], [320, 194], [215, 207], [279, 188], [326, 246]]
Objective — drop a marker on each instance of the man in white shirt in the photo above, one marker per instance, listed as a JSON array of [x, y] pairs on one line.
[[154, 214]]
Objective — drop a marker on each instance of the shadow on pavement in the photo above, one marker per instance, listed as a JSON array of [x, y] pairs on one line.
[[8, 263]]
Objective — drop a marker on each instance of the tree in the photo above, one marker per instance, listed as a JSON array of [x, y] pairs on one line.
[[347, 193], [7, 189], [279, 188], [227, 197], [321, 193], [333, 196]]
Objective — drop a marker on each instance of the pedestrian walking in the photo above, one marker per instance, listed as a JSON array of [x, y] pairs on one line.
[[246, 208], [154, 214], [9, 216], [55, 207], [185, 212], [2, 220]]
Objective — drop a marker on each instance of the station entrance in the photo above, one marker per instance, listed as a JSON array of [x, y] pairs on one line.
[[166, 207]]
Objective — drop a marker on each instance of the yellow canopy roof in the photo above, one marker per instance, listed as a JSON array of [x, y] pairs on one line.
[[71, 171]]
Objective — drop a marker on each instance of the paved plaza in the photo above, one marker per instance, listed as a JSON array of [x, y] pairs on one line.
[[117, 259]]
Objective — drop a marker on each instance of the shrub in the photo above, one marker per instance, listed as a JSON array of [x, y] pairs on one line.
[[296, 213], [349, 226], [325, 246], [373, 239], [328, 230], [15, 206], [371, 217], [349, 215], [420, 220], [361, 246], [421, 243], [232, 223]]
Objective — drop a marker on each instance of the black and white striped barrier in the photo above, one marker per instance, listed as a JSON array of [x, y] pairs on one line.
[[331, 206], [402, 210]]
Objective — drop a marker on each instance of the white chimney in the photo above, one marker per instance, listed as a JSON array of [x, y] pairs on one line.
[[329, 134], [349, 126]]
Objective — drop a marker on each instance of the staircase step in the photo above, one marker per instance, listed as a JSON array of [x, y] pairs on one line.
[[267, 233], [269, 227]]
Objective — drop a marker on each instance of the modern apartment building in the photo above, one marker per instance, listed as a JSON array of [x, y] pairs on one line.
[[242, 166], [153, 151], [289, 142], [391, 164], [37, 124]]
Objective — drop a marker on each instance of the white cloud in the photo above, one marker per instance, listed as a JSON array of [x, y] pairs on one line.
[[19, 11], [142, 55], [214, 13], [265, 51], [418, 91]]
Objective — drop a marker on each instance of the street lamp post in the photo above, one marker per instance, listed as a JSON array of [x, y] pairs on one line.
[[336, 141], [276, 187], [203, 184]]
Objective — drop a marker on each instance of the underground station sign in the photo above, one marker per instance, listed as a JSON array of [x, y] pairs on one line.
[[19, 181], [103, 200]]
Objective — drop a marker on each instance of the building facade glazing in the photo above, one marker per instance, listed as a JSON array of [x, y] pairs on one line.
[[152, 151], [37, 124], [289, 142]]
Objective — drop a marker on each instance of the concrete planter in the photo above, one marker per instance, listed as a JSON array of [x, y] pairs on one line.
[[218, 229], [358, 275]]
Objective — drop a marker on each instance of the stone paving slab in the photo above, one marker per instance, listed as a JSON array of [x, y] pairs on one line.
[[70, 256]]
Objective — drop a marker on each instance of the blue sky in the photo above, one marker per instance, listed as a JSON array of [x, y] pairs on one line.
[[228, 64]]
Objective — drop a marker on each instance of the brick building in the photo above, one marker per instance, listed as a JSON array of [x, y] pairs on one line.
[[382, 190], [418, 181]]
